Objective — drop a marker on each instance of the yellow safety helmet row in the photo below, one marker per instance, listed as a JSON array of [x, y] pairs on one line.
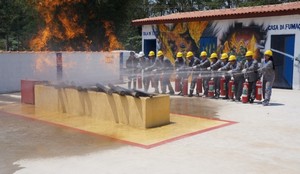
[[224, 56], [269, 53]]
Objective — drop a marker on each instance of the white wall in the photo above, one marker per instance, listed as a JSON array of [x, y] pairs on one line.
[[83, 68]]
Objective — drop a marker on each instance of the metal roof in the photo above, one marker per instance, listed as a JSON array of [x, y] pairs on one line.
[[233, 13]]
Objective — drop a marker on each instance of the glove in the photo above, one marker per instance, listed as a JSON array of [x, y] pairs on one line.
[[154, 70], [195, 67], [208, 68], [146, 69], [229, 72], [244, 71], [219, 69], [177, 70]]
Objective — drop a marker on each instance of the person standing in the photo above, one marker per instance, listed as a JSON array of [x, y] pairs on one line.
[[131, 66], [225, 66], [202, 66], [214, 66], [193, 61], [251, 74], [235, 70], [142, 64], [267, 71], [180, 67], [147, 74]]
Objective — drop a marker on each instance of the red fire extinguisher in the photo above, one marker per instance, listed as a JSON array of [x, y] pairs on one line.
[[211, 88], [199, 85], [245, 91], [222, 86], [177, 84], [258, 90], [231, 88], [185, 87], [139, 81]]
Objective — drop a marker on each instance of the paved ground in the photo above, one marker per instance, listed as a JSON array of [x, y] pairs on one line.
[[266, 140]]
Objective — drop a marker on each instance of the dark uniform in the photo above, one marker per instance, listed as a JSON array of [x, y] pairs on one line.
[[251, 74], [131, 69]]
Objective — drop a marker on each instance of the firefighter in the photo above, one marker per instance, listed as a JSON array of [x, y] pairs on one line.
[[131, 65], [225, 66], [235, 70], [202, 66], [180, 67], [267, 71], [192, 61], [215, 65], [147, 75], [142, 64], [251, 74]]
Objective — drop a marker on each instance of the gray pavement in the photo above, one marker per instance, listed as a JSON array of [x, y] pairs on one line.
[[266, 139]]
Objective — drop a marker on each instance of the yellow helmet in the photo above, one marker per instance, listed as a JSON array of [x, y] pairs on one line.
[[160, 53], [179, 54], [151, 53], [269, 53], [249, 53], [232, 58], [214, 55], [224, 56], [203, 53], [189, 54]]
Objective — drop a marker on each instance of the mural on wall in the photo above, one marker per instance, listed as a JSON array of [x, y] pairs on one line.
[[202, 35]]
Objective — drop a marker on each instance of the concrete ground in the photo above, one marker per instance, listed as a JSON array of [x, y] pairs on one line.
[[265, 140]]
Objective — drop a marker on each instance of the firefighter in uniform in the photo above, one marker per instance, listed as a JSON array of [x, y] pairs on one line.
[[131, 65], [202, 66], [215, 65], [225, 66], [180, 67], [236, 71], [251, 74], [267, 71], [148, 77], [142, 64], [192, 61]]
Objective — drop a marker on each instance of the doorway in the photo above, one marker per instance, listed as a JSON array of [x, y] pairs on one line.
[[283, 47], [149, 45]]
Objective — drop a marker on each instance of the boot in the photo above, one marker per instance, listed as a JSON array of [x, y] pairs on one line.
[[191, 93]]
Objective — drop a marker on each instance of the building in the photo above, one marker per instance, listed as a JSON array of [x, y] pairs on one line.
[[258, 28]]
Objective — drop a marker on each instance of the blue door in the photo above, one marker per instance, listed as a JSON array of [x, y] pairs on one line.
[[149, 45], [283, 47], [289, 62]]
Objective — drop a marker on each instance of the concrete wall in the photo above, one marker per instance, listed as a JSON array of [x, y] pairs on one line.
[[83, 68]]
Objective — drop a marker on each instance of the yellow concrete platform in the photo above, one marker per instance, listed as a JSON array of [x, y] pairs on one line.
[[181, 126]]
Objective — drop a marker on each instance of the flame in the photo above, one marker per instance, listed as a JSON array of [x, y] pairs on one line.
[[112, 39], [65, 30]]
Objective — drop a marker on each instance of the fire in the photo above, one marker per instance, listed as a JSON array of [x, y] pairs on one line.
[[65, 28], [112, 39]]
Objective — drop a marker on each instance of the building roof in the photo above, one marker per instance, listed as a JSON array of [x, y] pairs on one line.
[[233, 13]]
